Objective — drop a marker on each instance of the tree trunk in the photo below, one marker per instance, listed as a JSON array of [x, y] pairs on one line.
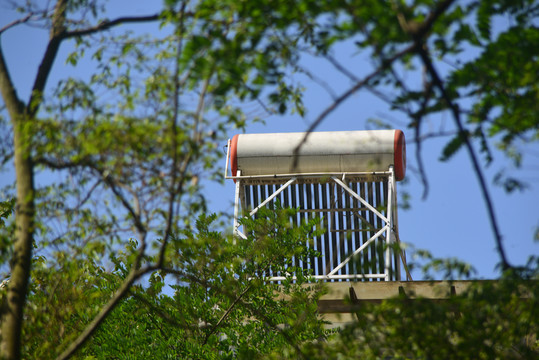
[[12, 310], [12, 317]]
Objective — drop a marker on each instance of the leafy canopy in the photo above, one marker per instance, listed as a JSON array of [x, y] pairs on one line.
[[112, 161]]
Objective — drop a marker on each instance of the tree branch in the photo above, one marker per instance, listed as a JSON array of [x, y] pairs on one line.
[[360, 84], [16, 22], [112, 184], [174, 130], [417, 32], [160, 312], [419, 159], [133, 276], [136, 216], [106, 25], [12, 316], [58, 34], [417, 135], [471, 152], [13, 104], [226, 313], [58, 28], [261, 314]]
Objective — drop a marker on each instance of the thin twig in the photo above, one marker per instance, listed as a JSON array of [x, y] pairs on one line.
[[88, 194], [105, 25], [417, 33], [225, 315], [174, 130], [136, 217], [320, 82], [341, 68], [17, 22], [473, 157], [56, 36], [360, 84], [417, 136]]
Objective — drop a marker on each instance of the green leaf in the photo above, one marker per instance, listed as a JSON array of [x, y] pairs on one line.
[[453, 146]]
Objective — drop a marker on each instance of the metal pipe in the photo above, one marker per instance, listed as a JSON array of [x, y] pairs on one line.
[[227, 157], [332, 277], [237, 208], [389, 222], [313, 174]]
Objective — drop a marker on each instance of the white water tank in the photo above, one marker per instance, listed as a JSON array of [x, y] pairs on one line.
[[322, 152]]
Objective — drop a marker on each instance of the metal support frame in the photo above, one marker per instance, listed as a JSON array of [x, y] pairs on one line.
[[386, 233]]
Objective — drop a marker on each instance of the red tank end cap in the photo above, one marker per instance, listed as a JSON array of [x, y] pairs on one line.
[[234, 155], [399, 155]]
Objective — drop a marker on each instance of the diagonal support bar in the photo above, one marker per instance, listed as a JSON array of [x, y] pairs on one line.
[[361, 200], [280, 190], [358, 250]]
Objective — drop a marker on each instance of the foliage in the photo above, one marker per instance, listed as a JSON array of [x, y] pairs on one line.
[[6, 210], [491, 320], [111, 164], [205, 302]]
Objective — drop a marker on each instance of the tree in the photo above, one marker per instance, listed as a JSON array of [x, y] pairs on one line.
[[491, 320], [127, 143], [128, 168], [142, 178], [217, 306]]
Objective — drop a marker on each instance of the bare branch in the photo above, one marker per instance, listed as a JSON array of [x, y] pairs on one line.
[[112, 184], [471, 152], [57, 30], [174, 130], [106, 25], [341, 68], [60, 33], [13, 104], [417, 134], [417, 32], [141, 228], [226, 313], [353, 77], [419, 158], [320, 82], [17, 22], [88, 194], [360, 84]]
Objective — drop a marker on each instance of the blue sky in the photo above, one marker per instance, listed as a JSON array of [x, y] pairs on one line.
[[451, 222]]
